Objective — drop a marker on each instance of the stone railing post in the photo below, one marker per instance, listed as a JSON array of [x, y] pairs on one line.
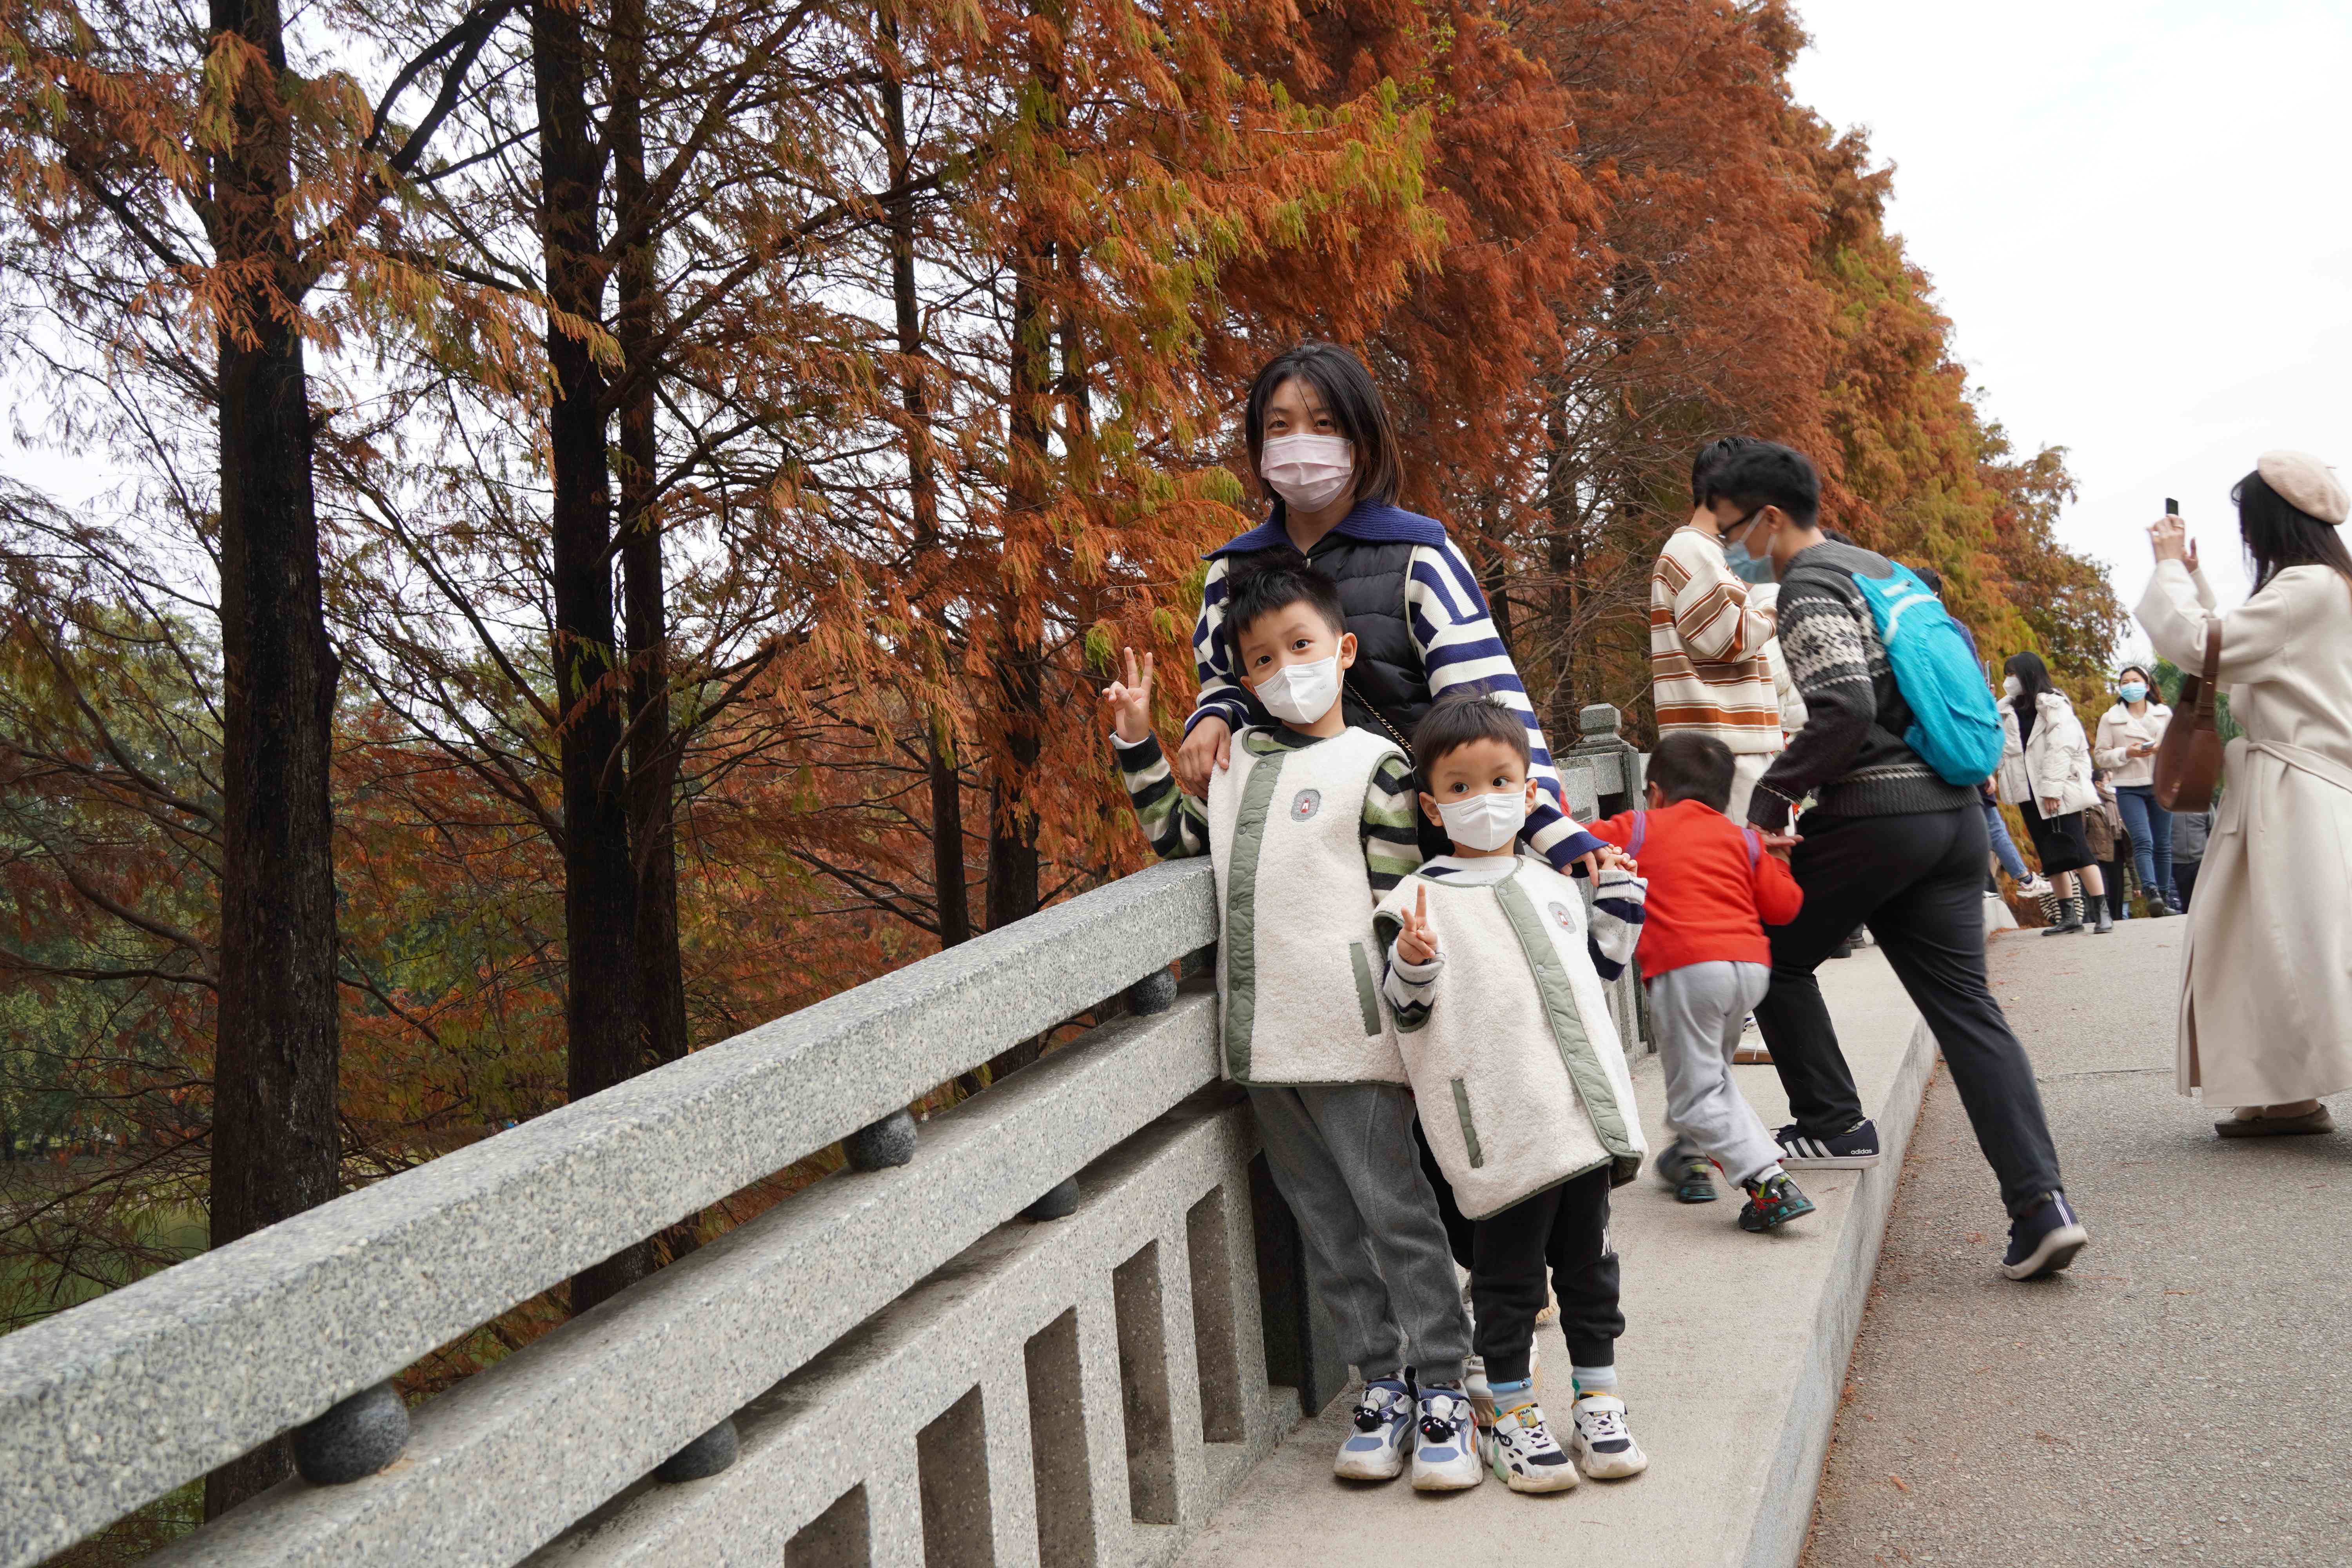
[[1600, 740]]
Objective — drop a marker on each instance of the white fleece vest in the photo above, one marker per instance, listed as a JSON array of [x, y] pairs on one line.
[[1296, 953], [1520, 1076]]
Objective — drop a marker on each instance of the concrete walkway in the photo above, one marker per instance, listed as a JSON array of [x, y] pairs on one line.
[[1731, 1365], [2179, 1397]]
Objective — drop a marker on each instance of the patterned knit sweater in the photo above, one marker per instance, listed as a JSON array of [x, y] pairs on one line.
[[1710, 668], [1850, 756]]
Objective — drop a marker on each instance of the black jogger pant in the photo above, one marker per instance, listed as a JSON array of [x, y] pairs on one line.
[[1914, 880], [1565, 1227]]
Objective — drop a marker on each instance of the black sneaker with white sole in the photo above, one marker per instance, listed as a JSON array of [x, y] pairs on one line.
[[2044, 1241], [1854, 1149]]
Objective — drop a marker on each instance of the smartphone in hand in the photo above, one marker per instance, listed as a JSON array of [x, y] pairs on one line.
[[2171, 507]]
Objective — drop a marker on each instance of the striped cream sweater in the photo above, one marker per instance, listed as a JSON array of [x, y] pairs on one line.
[[1709, 670]]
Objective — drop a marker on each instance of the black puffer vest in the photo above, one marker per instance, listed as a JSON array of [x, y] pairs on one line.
[[1368, 554]]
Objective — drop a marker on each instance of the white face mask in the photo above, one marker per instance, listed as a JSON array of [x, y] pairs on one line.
[[1484, 821], [1301, 693], [1308, 471], [2013, 686]]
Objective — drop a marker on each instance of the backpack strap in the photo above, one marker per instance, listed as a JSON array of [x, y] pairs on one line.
[[1755, 847], [1633, 838]]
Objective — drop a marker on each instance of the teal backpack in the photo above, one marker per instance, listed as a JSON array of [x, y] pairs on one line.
[[1955, 727]]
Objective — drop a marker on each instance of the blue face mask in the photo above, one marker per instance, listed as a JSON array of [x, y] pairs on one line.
[[1747, 568], [2131, 691]]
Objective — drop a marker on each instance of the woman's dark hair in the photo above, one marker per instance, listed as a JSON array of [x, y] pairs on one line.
[[1265, 581], [1350, 395], [1687, 765], [2280, 534], [1763, 473], [2031, 674], [1459, 718]]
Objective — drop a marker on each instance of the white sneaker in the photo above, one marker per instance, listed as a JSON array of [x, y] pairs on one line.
[[1480, 1392], [1375, 1449], [1522, 1455], [1604, 1444], [1445, 1447], [2033, 887]]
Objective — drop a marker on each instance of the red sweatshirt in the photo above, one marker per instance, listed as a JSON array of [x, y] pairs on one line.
[[1708, 902]]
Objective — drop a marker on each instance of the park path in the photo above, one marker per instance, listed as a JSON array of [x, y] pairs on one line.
[[2180, 1396]]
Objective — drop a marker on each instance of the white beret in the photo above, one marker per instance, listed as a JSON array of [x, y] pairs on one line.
[[2306, 483]]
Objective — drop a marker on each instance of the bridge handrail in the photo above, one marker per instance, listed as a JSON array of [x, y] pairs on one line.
[[116, 1401]]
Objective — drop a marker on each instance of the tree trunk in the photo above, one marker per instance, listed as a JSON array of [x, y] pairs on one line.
[[275, 1141], [599, 885], [1563, 561], [653, 755], [950, 889], [1020, 679]]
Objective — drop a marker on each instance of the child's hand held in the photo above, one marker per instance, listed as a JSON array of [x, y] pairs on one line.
[[1416, 940], [1130, 701]]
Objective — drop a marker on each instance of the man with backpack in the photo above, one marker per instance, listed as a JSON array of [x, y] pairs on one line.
[[1896, 711]]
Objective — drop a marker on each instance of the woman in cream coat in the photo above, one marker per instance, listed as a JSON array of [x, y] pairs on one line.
[[2266, 996]]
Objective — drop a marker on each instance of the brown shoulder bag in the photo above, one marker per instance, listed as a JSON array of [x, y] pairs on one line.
[[2189, 757]]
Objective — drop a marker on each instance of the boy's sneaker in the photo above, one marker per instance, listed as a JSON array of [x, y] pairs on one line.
[[1604, 1444], [1686, 1172], [1854, 1149], [1375, 1450], [1772, 1204], [2044, 1241], [1524, 1457], [1445, 1447]]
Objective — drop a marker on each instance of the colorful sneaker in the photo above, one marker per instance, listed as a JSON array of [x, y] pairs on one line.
[[1445, 1449], [1686, 1172], [2045, 1241], [1523, 1455], [1604, 1444], [1854, 1149], [1774, 1203], [1375, 1450]]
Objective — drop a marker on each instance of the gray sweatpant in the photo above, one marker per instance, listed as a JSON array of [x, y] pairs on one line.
[[1343, 1158], [1699, 1010]]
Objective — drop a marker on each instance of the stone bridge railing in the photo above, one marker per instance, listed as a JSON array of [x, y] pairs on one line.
[[1050, 1325]]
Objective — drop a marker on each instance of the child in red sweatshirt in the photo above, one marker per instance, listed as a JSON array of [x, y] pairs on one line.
[[1707, 962]]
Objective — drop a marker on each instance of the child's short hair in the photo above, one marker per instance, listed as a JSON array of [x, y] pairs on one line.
[[1687, 765], [1455, 721], [1758, 474], [1712, 457], [1269, 580]]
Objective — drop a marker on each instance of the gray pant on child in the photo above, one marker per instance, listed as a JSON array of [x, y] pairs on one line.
[[1699, 1010], [1343, 1158]]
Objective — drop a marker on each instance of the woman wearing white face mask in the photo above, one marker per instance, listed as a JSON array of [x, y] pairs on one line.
[[1325, 457], [2126, 747]]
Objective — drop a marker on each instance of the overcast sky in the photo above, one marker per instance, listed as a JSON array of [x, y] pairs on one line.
[[2139, 218]]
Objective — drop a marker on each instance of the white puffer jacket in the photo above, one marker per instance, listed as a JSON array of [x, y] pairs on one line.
[[2055, 764]]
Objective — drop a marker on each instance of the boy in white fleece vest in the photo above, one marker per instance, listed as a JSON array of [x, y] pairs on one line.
[[1308, 826], [1507, 1033]]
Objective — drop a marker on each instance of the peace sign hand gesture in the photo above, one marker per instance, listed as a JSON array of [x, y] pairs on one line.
[[1130, 701], [1416, 941]]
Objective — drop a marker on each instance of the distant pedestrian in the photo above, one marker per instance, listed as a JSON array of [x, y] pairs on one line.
[[2045, 772], [2126, 747], [2004, 848], [2266, 981], [1891, 842], [2190, 829], [2110, 845]]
